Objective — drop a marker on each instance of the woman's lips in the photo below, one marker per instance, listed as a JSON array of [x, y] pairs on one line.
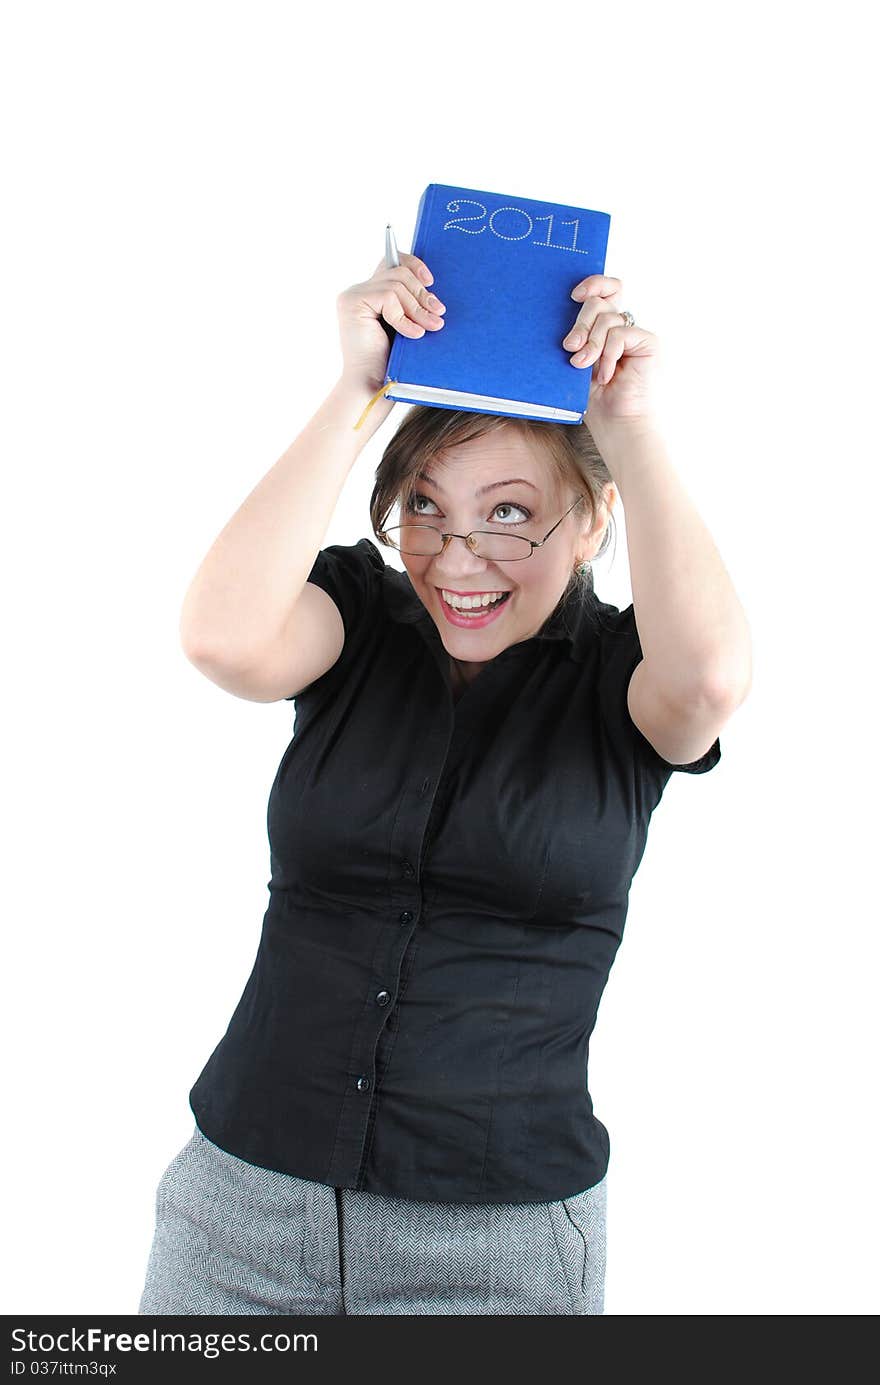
[[472, 622]]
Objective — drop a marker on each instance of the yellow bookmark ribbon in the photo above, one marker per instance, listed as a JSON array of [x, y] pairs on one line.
[[377, 395]]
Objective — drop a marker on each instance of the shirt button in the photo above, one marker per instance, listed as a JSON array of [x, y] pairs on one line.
[[406, 916], [363, 1084], [408, 869], [383, 998]]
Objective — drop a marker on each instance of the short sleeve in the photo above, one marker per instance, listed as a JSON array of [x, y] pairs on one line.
[[350, 574], [620, 652]]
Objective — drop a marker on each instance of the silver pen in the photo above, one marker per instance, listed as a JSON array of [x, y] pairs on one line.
[[392, 259]]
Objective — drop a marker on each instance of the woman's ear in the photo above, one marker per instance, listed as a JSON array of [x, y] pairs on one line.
[[591, 539]]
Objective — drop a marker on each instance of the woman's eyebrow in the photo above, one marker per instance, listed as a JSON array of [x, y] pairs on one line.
[[513, 481]]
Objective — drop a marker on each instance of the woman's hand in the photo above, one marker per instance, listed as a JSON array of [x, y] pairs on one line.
[[398, 297], [624, 359]]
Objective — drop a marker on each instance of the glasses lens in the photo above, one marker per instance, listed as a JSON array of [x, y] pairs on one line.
[[420, 539], [501, 548]]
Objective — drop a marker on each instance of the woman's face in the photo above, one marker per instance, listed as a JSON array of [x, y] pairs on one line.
[[494, 482]]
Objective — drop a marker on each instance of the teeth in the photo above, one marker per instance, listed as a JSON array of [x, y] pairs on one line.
[[470, 603]]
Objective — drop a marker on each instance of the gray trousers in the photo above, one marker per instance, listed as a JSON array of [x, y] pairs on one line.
[[231, 1237]]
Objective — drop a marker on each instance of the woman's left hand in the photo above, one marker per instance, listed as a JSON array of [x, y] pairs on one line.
[[624, 359]]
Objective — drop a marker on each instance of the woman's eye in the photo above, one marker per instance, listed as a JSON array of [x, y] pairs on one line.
[[509, 505], [416, 509], [414, 504]]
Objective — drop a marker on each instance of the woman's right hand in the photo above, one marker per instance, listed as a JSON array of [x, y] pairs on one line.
[[395, 299]]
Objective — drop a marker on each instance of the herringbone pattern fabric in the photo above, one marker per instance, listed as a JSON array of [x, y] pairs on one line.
[[231, 1237]]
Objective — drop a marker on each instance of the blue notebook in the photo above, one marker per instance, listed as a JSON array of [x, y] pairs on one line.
[[505, 267]]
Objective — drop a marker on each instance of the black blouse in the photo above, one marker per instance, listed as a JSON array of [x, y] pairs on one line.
[[449, 885]]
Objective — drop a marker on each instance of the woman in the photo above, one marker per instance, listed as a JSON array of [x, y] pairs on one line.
[[397, 1119]]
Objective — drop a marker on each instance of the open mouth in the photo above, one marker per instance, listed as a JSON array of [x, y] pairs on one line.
[[478, 616]]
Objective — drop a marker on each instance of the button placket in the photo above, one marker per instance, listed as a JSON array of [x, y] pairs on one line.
[[407, 846], [375, 1033]]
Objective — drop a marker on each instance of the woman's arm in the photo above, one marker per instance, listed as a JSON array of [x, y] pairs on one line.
[[696, 665], [243, 594], [251, 620], [696, 646]]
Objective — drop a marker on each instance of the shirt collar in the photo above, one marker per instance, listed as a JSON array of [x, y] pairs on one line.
[[571, 621]]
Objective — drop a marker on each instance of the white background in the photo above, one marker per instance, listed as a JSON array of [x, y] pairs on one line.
[[187, 188]]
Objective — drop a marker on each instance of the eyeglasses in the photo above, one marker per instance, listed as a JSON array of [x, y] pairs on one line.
[[427, 541]]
